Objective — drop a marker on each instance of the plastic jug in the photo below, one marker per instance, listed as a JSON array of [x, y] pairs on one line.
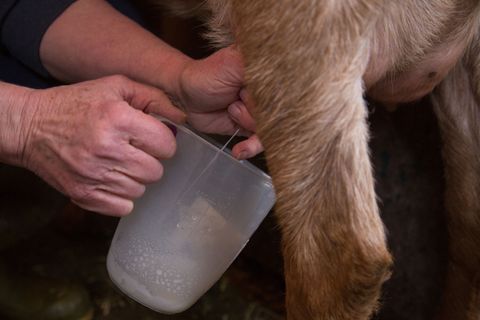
[[189, 227]]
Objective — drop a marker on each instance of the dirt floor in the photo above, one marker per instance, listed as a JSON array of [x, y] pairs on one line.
[[78, 253]]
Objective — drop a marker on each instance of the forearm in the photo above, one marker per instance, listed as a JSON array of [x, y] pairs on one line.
[[91, 39], [14, 114]]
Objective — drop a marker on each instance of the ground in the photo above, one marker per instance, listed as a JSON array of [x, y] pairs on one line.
[[80, 256]]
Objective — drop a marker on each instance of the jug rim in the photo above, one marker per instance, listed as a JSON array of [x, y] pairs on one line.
[[215, 145], [226, 152]]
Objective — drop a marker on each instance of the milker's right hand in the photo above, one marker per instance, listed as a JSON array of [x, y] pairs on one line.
[[96, 143]]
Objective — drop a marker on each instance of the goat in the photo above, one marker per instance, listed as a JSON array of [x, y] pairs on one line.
[[308, 64]]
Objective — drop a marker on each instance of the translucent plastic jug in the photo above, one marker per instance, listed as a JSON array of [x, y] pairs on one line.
[[189, 227]]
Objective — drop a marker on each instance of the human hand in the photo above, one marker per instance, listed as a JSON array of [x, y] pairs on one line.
[[212, 94], [94, 142]]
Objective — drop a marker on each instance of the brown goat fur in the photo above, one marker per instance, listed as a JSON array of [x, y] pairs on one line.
[[308, 64]]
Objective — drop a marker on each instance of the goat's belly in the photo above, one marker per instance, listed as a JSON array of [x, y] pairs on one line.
[[419, 79]]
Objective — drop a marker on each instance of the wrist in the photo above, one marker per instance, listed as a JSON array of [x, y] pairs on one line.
[[169, 71], [16, 113]]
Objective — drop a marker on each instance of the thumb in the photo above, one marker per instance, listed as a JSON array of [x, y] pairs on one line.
[[240, 115], [151, 100], [229, 64]]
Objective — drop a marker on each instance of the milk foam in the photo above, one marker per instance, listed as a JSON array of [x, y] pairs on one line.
[[170, 278]]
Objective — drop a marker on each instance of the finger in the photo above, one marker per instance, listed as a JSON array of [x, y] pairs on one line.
[[152, 100], [239, 113], [218, 122], [247, 99], [247, 148], [122, 185], [105, 203], [151, 136], [228, 62], [139, 165]]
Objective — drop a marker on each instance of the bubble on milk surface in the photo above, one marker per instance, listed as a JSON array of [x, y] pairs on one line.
[[159, 272]]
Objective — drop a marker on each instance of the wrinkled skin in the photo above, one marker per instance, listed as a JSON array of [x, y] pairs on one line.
[[98, 141], [94, 142]]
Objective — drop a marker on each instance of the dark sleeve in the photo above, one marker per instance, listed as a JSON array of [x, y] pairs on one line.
[[5, 6], [23, 24]]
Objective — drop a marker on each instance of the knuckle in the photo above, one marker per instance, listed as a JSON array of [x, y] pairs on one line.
[[170, 149], [103, 144], [156, 173], [109, 110], [102, 125], [132, 191], [113, 109], [165, 141], [80, 193], [119, 115], [124, 209], [140, 191], [107, 137], [169, 146]]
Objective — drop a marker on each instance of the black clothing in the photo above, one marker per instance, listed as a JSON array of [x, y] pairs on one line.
[[22, 26], [24, 22]]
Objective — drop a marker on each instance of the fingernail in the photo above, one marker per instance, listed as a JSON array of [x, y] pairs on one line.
[[243, 95], [173, 128], [242, 155], [234, 111]]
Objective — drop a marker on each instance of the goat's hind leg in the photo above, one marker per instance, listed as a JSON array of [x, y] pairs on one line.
[[457, 105]]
